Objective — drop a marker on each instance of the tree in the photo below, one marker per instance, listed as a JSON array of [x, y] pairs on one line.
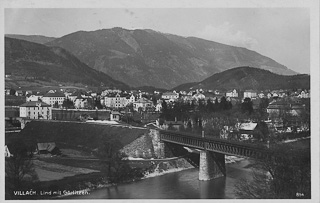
[[12, 92], [56, 105], [154, 100], [68, 104], [223, 104], [164, 110], [209, 106], [216, 105], [19, 166], [112, 161], [108, 153], [97, 104], [284, 176], [247, 106]]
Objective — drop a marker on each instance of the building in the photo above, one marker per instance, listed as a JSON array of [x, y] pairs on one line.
[[36, 110], [115, 101], [131, 99], [304, 94], [249, 94], [232, 93], [198, 96], [261, 95], [115, 116], [80, 102], [247, 130], [170, 96], [53, 98], [158, 106], [34, 97], [19, 93], [278, 108], [7, 152], [72, 97], [110, 91], [142, 103]]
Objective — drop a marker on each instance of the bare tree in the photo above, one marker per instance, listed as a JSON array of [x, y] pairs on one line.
[[19, 168], [287, 175]]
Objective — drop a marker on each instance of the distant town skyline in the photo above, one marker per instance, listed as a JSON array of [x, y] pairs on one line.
[[282, 34]]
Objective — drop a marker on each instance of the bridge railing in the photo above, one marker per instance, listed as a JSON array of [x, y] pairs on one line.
[[209, 138], [216, 144]]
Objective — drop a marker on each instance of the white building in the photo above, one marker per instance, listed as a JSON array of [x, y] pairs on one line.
[[116, 101], [198, 96], [158, 107], [304, 94], [261, 95], [80, 102], [36, 110], [34, 98], [52, 98], [142, 103], [109, 91], [232, 93], [250, 94], [170, 96], [131, 99], [115, 116]]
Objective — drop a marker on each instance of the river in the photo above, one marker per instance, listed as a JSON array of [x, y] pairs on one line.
[[178, 185]]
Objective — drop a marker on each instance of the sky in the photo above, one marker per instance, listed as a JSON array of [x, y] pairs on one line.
[[282, 34]]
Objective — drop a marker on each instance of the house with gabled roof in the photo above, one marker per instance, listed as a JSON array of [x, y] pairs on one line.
[[281, 107], [198, 96], [115, 116], [142, 103], [34, 97], [232, 93]]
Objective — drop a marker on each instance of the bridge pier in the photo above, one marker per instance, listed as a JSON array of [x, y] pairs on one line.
[[212, 165]]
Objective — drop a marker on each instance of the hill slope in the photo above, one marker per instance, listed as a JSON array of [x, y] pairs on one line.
[[25, 59], [150, 58], [84, 134], [32, 38], [249, 78]]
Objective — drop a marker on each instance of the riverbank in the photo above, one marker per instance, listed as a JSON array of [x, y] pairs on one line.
[[159, 167], [59, 177]]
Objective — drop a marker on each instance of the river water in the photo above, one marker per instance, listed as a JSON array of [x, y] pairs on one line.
[[178, 185]]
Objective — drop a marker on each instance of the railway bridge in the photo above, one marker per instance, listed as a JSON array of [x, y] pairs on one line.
[[211, 161]]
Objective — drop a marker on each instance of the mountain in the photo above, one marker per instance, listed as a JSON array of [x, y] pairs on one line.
[[150, 58], [27, 60], [32, 38], [244, 78]]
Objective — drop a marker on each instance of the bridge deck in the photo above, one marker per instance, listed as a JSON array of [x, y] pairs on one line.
[[215, 144]]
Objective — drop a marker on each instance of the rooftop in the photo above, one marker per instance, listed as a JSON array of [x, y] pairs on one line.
[[55, 94], [34, 104]]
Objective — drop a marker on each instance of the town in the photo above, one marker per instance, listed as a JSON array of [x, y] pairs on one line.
[[168, 103], [282, 110], [260, 118]]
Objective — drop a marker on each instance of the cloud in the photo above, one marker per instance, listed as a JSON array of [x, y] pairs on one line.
[[227, 34]]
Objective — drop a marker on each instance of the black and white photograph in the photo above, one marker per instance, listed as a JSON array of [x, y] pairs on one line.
[[149, 100]]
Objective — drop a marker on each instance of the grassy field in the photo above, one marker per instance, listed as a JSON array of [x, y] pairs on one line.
[[53, 171], [83, 135]]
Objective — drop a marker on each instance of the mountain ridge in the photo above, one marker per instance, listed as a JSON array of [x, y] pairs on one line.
[[40, 39], [245, 78], [26, 59], [150, 58]]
